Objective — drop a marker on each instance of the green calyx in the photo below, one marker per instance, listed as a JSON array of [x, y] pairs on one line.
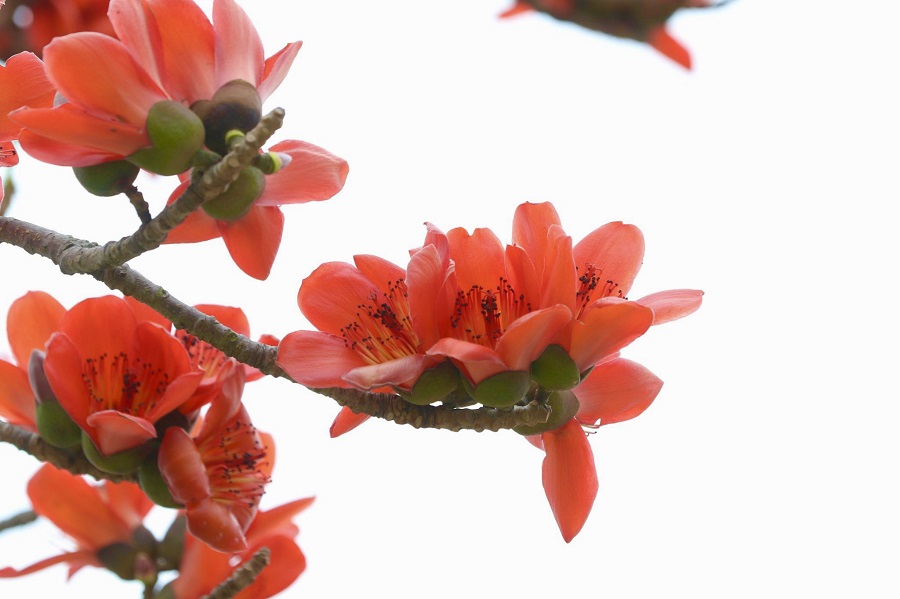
[[235, 106], [563, 407], [555, 370], [434, 385], [107, 179], [124, 462], [154, 485], [235, 202], [54, 424], [502, 390], [176, 134]]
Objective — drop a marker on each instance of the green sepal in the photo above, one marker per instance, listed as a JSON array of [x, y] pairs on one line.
[[124, 462], [502, 390], [563, 407], [107, 179], [235, 202], [435, 384], [154, 485], [54, 424], [555, 370], [176, 134]]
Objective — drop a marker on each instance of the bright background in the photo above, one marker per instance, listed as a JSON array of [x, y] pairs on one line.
[[767, 176]]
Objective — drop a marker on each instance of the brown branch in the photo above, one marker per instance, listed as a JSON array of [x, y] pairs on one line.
[[33, 445], [18, 520], [242, 577], [209, 184]]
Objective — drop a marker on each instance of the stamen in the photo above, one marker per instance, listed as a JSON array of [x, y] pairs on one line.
[[119, 383], [592, 286], [383, 330], [482, 316]]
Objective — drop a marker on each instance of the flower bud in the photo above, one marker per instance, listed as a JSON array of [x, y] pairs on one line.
[[54, 424], [124, 462], [153, 484], [434, 384], [502, 390], [172, 546], [176, 134], [107, 179], [235, 202], [563, 407], [235, 105], [555, 370]]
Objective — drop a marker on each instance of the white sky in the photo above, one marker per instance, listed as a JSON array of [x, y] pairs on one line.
[[766, 177]]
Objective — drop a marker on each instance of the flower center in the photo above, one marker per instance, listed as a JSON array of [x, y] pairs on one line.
[[204, 357], [592, 286], [482, 315], [118, 382], [383, 330]]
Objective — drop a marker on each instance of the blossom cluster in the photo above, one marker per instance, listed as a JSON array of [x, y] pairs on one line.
[[470, 322]]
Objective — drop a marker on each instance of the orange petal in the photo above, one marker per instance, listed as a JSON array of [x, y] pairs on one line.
[[63, 154], [401, 372], [606, 328], [97, 73], [22, 83], [558, 274], [276, 68], [527, 337], [144, 313], [615, 249], [253, 240], [63, 367], [182, 467], [516, 9], [429, 298], [277, 519], [615, 391], [128, 501], [76, 507], [71, 557], [313, 174], [570, 477], [346, 421], [660, 40], [378, 270], [286, 564], [672, 304], [478, 258], [233, 318], [30, 321], [113, 431], [531, 222], [215, 525], [86, 324], [198, 226], [239, 49], [330, 296], [317, 359], [135, 27], [16, 398]]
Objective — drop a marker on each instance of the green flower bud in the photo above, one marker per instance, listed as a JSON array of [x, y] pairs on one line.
[[172, 546], [153, 484], [108, 178], [119, 559], [434, 384], [235, 202], [54, 424], [503, 390], [563, 407], [176, 134], [124, 462], [555, 370], [235, 105]]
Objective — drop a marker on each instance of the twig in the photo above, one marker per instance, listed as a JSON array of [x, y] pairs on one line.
[[242, 577], [18, 520]]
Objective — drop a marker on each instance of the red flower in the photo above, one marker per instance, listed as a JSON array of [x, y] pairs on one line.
[[49, 19], [94, 516], [29, 323], [202, 568], [312, 174], [219, 475], [166, 50], [641, 20], [116, 376]]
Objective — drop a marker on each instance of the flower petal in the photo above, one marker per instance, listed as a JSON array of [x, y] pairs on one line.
[[615, 391], [606, 328], [63, 154], [182, 467], [478, 258], [531, 222], [22, 83], [317, 359], [660, 40], [113, 431], [528, 336], [569, 476], [276, 69], [672, 304], [346, 421], [616, 250], [30, 321], [401, 372], [215, 525], [63, 367], [253, 240], [239, 49], [86, 324], [329, 297], [16, 398], [313, 174]]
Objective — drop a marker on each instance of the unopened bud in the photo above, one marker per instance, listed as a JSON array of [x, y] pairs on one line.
[[555, 370], [563, 407], [435, 384], [107, 179], [503, 390], [235, 202], [176, 134], [235, 105]]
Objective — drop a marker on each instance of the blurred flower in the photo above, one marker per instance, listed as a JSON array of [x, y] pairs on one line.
[[30, 321], [116, 380], [219, 474], [312, 174], [202, 568], [167, 50], [29, 25], [641, 20], [104, 521]]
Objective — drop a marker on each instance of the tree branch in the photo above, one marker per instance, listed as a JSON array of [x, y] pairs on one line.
[[242, 577], [18, 520]]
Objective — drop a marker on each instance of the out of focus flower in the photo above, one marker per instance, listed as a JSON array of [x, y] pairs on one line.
[[219, 475], [202, 568], [104, 521], [30, 321], [167, 57], [252, 238], [117, 380], [31, 24], [641, 20]]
